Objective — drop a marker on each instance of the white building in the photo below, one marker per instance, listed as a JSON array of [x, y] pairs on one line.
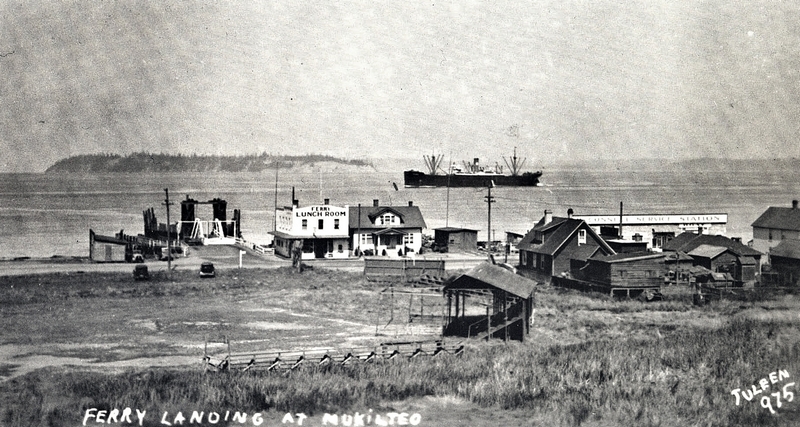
[[321, 231], [657, 229], [386, 230]]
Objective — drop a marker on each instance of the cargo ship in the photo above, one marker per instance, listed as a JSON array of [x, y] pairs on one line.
[[471, 174]]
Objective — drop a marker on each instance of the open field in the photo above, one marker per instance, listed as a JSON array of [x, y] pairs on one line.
[[112, 343]]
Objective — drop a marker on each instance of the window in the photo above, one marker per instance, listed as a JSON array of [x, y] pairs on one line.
[[320, 223], [336, 224], [387, 219], [581, 237], [408, 239], [340, 246], [364, 239], [305, 224]]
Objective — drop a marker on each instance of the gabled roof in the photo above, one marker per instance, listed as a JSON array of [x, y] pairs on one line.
[[779, 218], [495, 276], [786, 249], [410, 215], [708, 251], [556, 233], [585, 252], [687, 242]]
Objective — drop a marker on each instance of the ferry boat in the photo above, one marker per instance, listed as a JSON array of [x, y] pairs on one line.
[[471, 174]]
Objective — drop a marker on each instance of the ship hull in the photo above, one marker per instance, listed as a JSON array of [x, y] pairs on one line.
[[414, 178]]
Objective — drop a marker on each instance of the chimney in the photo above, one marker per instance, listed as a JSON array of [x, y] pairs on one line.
[[327, 201], [794, 204], [375, 203], [410, 203], [570, 212], [548, 216]]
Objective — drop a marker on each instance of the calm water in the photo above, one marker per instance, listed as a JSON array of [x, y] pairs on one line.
[[44, 215]]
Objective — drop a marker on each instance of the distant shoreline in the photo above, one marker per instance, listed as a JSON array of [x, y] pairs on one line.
[[147, 162]]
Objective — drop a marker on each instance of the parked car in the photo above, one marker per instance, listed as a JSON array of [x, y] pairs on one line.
[[207, 270], [140, 273], [137, 256]]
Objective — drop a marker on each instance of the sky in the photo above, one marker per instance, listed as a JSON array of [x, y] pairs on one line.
[[558, 80]]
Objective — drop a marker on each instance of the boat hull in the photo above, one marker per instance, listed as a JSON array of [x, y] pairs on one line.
[[414, 178]]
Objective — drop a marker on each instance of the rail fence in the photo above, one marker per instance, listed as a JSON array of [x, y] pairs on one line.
[[291, 360]]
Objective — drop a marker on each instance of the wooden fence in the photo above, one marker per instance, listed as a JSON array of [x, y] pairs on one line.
[[290, 360], [404, 269]]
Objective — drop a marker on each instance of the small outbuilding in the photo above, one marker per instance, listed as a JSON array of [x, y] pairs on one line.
[[452, 239], [501, 304], [627, 274], [106, 248]]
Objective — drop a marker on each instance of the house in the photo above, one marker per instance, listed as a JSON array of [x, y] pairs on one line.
[[321, 231], [774, 225], [452, 239], [385, 230], [785, 263], [625, 272], [546, 250], [106, 248], [744, 269]]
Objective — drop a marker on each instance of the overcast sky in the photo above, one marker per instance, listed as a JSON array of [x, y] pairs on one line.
[[373, 79]]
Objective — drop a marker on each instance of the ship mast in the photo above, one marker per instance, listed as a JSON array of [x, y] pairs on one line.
[[515, 163], [433, 162]]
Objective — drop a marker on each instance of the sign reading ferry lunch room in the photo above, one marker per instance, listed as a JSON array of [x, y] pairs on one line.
[[318, 220]]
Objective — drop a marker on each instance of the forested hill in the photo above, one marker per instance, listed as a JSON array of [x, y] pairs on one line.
[[146, 162]]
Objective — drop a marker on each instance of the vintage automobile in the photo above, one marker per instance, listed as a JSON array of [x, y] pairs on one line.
[[140, 272], [207, 270]]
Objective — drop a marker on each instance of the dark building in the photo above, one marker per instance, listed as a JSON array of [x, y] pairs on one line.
[[785, 264], [452, 239], [743, 270], [623, 273], [550, 245]]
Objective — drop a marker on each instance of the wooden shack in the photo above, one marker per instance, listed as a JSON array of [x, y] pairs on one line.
[[489, 301], [628, 273], [452, 239]]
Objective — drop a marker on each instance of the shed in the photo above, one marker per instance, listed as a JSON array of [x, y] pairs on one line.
[[725, 260], [455, 239], [506, 298], [785, 258], [624, 272], [106, 248]]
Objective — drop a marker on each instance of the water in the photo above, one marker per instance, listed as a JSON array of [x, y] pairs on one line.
[[45, 215]]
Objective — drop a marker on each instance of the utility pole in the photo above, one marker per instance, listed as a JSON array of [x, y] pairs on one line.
[[169, 238], [489, 200]]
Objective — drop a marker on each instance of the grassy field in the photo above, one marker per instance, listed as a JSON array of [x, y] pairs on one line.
[[591, 360]]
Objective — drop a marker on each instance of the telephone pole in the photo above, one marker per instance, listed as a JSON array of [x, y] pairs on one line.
[[489, 200], [169, 237]]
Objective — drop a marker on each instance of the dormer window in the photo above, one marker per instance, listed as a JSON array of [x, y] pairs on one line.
[[387, 219], [581, 237]]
